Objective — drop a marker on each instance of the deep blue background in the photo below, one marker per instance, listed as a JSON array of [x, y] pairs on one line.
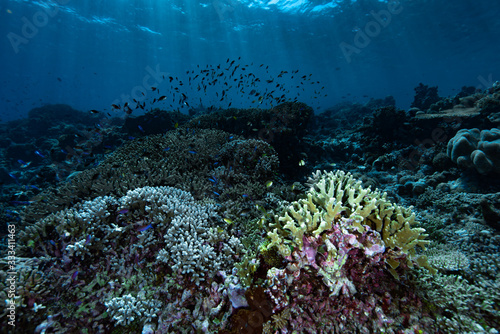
[[89, 53]]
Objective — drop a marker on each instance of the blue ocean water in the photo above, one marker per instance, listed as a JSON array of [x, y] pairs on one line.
[[237, 167], [88, 54]]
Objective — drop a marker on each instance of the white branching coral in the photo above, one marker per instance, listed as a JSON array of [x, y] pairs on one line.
[[190, 250], [125, 310]]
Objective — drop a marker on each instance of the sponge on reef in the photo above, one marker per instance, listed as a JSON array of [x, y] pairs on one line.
[[474, 148]]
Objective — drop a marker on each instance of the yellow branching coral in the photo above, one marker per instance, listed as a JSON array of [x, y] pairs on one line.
[[336, 195]]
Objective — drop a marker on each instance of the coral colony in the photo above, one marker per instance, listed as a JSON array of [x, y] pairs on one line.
[[259, 221]]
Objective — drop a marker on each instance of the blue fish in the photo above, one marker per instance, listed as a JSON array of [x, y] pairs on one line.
[[216, 193], [89, 237], [37, 152], [23, 164], [73, 277], [142, 229], [15, 203], [166, 149], [140, 128], [122, 211], [192, 152], [14, 177]]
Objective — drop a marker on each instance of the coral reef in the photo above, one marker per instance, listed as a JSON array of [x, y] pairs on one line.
[[188, 159], [425, 96], [282, 126], [346, 249], [127, 254]]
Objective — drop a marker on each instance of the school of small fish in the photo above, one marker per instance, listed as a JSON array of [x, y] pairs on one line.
[[223, 82]]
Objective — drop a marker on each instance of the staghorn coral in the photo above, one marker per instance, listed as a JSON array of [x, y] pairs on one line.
[[461, 305], [125, 309], [123, 254]]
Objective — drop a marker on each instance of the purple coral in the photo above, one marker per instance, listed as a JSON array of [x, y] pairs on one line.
[[340, 280]]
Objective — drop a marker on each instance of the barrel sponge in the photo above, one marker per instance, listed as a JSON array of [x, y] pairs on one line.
[[478, 149]]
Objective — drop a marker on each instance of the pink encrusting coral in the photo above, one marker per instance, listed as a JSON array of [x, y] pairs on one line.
[[347, 252], [339, 280]]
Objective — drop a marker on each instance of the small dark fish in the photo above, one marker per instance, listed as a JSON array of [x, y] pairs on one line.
[[153, 88], [161, 98], [93, 111], [115, 106], [144, 228], [59, 79]]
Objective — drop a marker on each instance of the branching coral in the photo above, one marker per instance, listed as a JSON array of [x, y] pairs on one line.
[[342, 242], [336, 196], [122, 254]]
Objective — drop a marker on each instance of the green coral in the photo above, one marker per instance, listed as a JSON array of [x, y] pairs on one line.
[[246, 268], [336, 195]]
